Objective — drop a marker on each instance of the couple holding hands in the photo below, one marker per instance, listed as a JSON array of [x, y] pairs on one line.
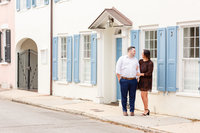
[[134, 75]]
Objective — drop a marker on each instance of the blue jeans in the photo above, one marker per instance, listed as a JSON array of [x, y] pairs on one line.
[[128, 86]]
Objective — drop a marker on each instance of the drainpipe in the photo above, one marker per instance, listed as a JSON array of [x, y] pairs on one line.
[[51, 47]]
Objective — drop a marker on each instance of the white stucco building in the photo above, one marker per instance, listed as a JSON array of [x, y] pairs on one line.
[[33, 33], [90, 35]]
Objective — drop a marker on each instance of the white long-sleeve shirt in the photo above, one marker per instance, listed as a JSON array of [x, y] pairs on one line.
[[127, 67]]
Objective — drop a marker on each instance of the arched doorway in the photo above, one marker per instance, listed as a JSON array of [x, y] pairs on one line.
[[27, 65]]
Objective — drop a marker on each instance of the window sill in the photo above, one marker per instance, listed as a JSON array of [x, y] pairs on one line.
[[4, 3], [22, 10], [154, 91], [4, 63], [40, 6], [62, 1], [86, 84], [62, 82], [188, 94]]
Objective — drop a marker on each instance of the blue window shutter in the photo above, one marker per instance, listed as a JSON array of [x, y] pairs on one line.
[[18, 5], [55, 58], [171, 58], [135, 41], [28, 4], [161, 59], [76, 58], [33, 3], [46, 2], [94, 59], [56, 1], [69, 58]]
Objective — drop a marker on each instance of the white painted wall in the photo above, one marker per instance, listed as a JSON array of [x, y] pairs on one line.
[[75, 16], [183, 105], [72, 90], [35, 24]]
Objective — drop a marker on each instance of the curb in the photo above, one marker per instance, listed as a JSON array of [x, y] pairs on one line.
[[76, 112]]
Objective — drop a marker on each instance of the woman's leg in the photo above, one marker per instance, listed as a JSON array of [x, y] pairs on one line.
[[144, 95]]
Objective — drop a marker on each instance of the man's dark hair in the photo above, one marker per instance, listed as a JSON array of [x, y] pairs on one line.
[[129, 48]]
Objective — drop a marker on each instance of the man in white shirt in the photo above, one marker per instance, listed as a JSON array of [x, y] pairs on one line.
[[126, 69]]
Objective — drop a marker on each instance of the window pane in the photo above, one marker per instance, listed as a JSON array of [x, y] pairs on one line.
[[197, 31], [147, 34], [84, 39], [191, 42], [197, 53], [151, 45], [89, 39], [155, 34], [186, 53], [151, 53], [188, 42], [151, 34], [87, 70], [192, 31], [85, 54], [197, 42], [87, 66], [191, 75], [146, 44], [155, 44], [87, 46], [189, 32], [65, 40], [88, 53], [186, 32], [192, 52], [63, 47]]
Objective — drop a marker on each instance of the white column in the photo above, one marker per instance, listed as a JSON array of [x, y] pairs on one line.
[[125, 41], [100, 63]]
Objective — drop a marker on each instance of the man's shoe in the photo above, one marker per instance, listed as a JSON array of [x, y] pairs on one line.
[[131, 113], [125, 113]]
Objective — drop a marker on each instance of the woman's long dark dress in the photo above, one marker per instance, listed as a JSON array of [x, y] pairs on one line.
[[145, 82]]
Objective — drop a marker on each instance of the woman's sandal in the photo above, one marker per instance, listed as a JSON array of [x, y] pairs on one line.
[[148, 113]]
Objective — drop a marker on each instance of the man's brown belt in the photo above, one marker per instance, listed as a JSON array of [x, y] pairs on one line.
[[128, 78]]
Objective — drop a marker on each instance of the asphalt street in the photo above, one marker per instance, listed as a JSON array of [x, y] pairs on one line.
[[21, 118]]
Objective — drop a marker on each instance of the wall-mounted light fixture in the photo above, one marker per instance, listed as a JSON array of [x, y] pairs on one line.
[[110, 22]]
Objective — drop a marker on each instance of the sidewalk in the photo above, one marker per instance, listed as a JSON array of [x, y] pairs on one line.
[[108, 113]]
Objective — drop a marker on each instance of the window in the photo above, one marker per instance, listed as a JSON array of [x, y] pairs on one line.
[[86, 59], [3, 1], [190, 58], [3, 45], [62, 58], [151, 44], [22, 4], [191, 42]]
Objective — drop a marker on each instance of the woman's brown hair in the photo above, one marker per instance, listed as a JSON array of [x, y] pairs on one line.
[[147, 54]]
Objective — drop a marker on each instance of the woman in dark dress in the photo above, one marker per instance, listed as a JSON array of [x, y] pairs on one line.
[[145, 81]]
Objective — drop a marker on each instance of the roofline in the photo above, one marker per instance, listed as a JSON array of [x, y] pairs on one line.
[[113, 8]]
